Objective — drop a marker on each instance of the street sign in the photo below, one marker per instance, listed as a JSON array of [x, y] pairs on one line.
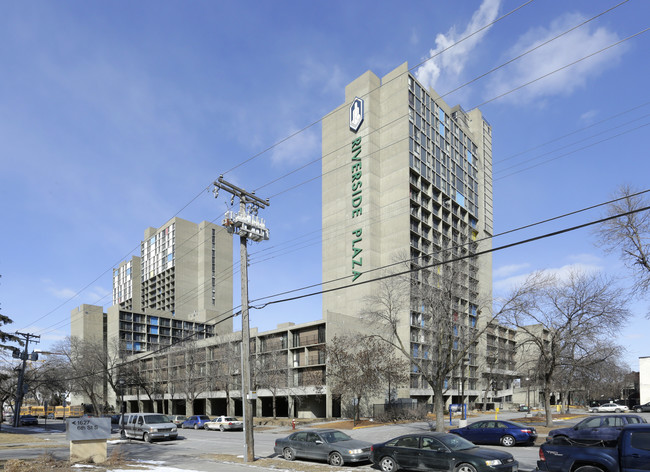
[[82, 429]]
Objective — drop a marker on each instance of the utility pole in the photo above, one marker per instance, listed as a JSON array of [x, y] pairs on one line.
[[245, 223], [20, 391]]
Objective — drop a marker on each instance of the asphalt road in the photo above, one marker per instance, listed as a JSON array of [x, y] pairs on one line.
[[190, 450]]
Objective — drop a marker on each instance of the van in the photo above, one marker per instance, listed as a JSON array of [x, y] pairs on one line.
[[149, 426]]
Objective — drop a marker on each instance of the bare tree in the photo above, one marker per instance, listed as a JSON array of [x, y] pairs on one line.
[[357, 368], [629, 235], [565, 324], [86, 373], [224, 368], [271, 373], [189, 364], [444, 330]]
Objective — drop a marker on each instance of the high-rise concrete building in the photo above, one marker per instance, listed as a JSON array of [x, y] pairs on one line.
[[407, 177], [182, 282]]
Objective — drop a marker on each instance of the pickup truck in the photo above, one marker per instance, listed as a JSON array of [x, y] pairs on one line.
[[630, 453]]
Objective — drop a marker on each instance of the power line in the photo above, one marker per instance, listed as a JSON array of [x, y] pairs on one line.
[[401, 273], [411, 69]]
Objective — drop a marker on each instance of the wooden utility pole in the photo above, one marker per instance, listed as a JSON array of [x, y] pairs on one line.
[[245, 223], [24, 356]]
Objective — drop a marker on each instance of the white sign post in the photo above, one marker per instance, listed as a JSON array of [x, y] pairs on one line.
[[87, 438]]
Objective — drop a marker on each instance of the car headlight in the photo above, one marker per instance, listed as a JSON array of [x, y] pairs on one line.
[[153, 430], [492, 463], [355, 451]]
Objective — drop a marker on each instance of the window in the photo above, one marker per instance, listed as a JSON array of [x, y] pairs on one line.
[[408, 441], [640, 441]]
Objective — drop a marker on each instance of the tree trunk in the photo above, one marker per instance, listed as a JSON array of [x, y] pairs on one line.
[[547, 405], [439, 408], [274, 409]]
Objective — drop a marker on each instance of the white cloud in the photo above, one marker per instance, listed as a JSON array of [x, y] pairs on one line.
[[301, 148], [569, 48], [584, 263], [94, 295], [318, 75], [442, 72], [588, 116], [508, 270]]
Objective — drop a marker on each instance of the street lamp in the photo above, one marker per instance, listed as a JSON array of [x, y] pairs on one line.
[[528, 393], [121, 384], [462, 387]]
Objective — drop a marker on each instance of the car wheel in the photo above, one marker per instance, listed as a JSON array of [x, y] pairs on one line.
[[507, 441], [388, 464], [288, 454], [465, 468], [639, 410], [335, 458], [618, 410], [588, 468], [196, 426], [146, 437], [205, 426], [221, 428]]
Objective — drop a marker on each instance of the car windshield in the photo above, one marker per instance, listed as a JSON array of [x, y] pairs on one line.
[[335, 436], [154, 419], [455, 443]]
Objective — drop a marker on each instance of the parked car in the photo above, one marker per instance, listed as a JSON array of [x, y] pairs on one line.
[[334, 446], [195, 421], [28, 420], [596, 428], [609, 408], [640, 408], [178, 419], [630, 453], [439, 451], [149, 426], [506, 433], [223, 423]]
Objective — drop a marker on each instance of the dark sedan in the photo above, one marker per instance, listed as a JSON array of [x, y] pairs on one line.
[[331, 445], [596, 428], [506, 433], [28, 420], [439, 451], [640, 408]]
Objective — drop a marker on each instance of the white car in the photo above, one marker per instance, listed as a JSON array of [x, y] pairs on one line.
[[609, 408], [223, 423]]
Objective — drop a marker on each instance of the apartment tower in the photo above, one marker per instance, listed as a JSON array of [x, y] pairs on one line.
[[406, 178]]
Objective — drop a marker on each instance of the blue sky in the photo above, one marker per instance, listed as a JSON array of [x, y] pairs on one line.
[[116, 116]]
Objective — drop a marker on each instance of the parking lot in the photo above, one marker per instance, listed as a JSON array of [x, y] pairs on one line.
[[198, 449]]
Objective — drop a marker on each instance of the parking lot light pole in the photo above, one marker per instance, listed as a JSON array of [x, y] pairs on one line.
[[528, 393], [121, 382]]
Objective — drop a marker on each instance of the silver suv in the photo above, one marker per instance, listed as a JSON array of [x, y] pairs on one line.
[[149, 426]]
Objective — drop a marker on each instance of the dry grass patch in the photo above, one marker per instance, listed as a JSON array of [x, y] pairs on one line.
[[48, 463], [12, 438]]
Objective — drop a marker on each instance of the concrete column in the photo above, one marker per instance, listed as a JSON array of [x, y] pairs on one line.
[[258, 407], [328, 405], [208, 406], [231, 407], [292, 407]]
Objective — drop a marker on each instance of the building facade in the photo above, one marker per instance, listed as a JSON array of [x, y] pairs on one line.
[[407, 184], [406, 178]]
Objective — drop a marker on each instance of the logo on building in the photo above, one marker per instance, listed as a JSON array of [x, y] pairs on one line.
[[356, 114]]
